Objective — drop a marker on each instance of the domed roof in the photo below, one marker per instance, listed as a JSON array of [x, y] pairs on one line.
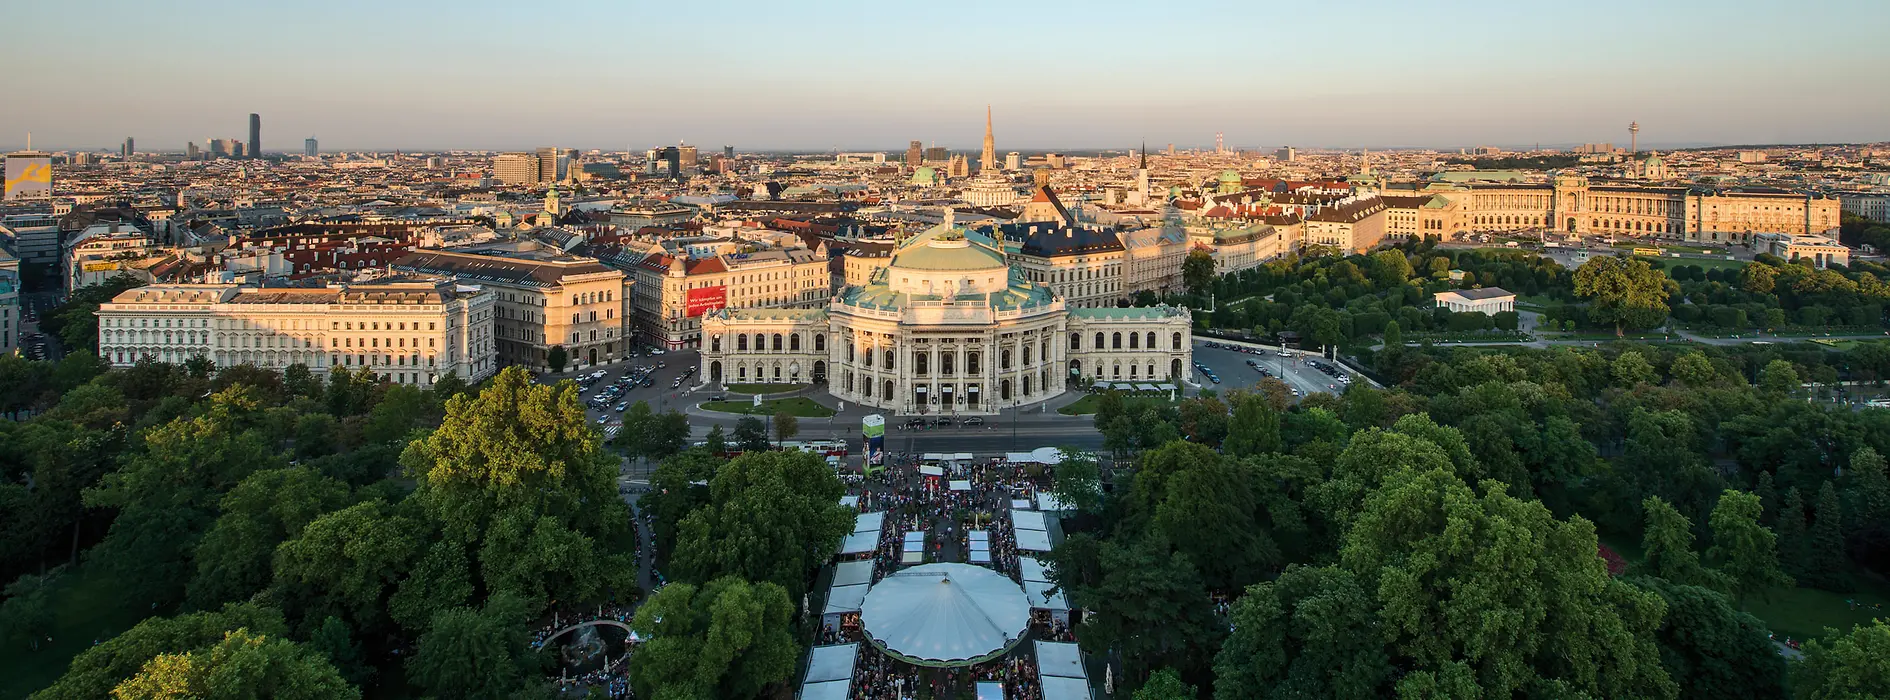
[[924, 175], [944, 248], [1230, 176]]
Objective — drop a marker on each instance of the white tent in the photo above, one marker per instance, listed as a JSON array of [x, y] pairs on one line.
[[978, 536], [960, 485], [1042, 599], [859, 543], [846, 599], [932, 456], [945, 614], [1060, 659], [982, 556], [960, 456], [1049, 503], [850, 501], [829, 672], [1058, 688], [929, 470], [869, 522], [1032, 569], [853, 573], [828, 690], [1020, 504], [1029, 520], [980, 545], [1032, 540], [990, 690]]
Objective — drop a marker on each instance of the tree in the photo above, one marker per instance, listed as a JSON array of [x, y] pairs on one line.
[[1254, 429], [243, 665], [1184, 489], [679, 486], [669, 433], [1846, 666], [1778, 378], [1625, 292], [345, 564], [638, 424], [1197, 272], [1164, 684], [1693, 369], [1394, 336], [1743, 550], [75, 321], [27, 615], [1631, 368], [728, 638], [1668, 545], [1758, 278], [1826, 556], [521, 459], [751, 435], [335, 641], [1150, 604], [772, 516], [100, 668], [1794, 542], [786, 426], [1869, 490], [556, 357], [1711, 649], [1310, 633], [1078, 482], [233, 561], [475, 653], [715, 442]]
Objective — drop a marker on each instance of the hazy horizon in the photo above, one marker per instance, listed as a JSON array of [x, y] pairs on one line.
[[864, 76]]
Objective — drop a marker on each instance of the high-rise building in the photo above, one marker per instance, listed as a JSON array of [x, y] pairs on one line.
[[129, 148], [191, 152], [728, 152], [547, 164], [310, 147], [1013, 160], [515, 168], [915, 154], [1286, 154], [937, 154], [671, 157], [690, 161], [28, 175], [987, 160], [255, 136], [239, 151]]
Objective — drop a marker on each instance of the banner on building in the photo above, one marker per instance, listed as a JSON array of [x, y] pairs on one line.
[[701, 301], [29, 177]]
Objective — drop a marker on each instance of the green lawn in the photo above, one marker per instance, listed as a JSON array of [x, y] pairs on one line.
[[799, 406], [1803, 613], [85, 608], [764, 388], [1087, 405]]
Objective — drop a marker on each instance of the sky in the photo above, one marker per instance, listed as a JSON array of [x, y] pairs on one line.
[[813, 75]]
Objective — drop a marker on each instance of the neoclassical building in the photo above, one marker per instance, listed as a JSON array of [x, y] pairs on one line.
[[1570, 204], [947, 327]]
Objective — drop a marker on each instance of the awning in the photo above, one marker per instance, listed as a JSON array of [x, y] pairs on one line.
[[846, 599], [853, 573], [827, 690], [961, 456], [859, 543], [981, 557], [1031, 569], [929, 470], [1048, 502], [1029, 520], [980, 546], [1058, 688], [932, 456], [1040, 596], [1033, 541], [1060, 659], [960, 485], [831, 663], [979, 535], [1021, 504], [869, 522]]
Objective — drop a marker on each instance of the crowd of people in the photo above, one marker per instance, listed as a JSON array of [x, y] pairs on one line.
[[917, 502]]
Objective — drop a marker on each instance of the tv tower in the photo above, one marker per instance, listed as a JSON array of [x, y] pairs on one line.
[[1634, 138]]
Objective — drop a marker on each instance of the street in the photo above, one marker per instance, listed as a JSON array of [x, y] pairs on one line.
[[1231, 366]]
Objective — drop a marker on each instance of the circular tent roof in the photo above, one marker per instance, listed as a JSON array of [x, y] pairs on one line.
[[945, 615]]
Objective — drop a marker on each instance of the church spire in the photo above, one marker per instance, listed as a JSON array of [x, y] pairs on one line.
[[987, 162]]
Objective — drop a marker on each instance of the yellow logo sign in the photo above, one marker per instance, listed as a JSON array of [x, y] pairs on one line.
[[30, 174]]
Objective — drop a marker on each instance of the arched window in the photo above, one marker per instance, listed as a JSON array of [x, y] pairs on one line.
[[1135, 342], [1099, 341], [887, 390], [1027, 356], [794, 342], [945, 363], [777, 342], [886, 355], [761, 342], [971, 363], [1115, 341], [820, 342], [849, 351], [1076, 341], [1151, 340], [1177, 342], [920, 363], [715, 343], [741, 342], [1004, 359], [1026, 386]]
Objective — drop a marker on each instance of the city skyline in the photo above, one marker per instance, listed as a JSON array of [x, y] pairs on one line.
[[1373, 75]]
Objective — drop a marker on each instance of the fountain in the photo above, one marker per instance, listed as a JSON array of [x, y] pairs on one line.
[[584, 649]]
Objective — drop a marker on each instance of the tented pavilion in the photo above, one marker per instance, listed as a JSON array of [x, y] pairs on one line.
[[945, 615]]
